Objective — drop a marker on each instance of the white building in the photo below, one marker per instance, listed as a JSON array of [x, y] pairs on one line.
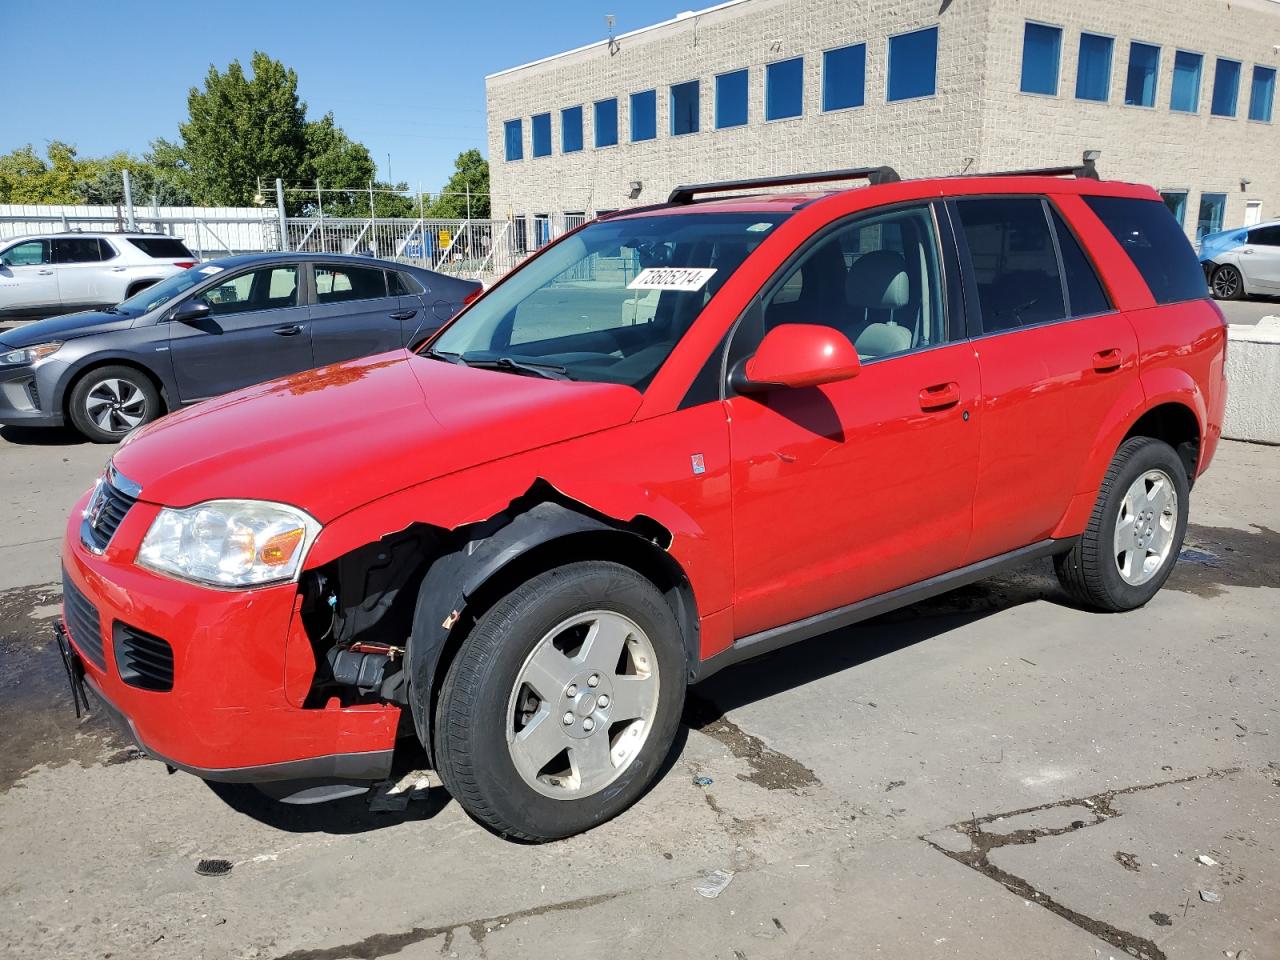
[[1179, 94]]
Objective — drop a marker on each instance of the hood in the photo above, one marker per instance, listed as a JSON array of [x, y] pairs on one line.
[[66, 327], [336, 438]]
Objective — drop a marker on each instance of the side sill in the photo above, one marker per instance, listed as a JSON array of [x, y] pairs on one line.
[[766, 641]]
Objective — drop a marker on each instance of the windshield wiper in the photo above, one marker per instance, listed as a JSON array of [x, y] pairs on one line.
[[550, 371], [110, 310], [441, 355]]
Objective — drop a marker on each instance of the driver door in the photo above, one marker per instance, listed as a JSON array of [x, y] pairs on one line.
[[28, 282], [257, 330], [852, 489]]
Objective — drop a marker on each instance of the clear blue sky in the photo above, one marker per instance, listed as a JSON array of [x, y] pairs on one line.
[[404, 77]]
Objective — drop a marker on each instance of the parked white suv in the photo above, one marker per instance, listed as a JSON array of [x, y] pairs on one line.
[[42, 276]]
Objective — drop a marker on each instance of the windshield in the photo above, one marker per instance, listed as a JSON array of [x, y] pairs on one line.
[[164, 291], [610, 302]]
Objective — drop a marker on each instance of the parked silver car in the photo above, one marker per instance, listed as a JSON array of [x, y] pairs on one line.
[[1244, 262], [45, 275]]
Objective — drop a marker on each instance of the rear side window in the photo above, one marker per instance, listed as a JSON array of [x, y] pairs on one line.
[[339, 284], [1156, 245], [399, 285], [77, 250], [1013, 262], [162, 248], [1085, 296]]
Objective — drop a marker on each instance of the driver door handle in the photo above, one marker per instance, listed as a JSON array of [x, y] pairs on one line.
[[404, 315], [44, 273], [292, 329], [940, 396]]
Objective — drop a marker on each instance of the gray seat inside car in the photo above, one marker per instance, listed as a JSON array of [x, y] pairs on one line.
[[882, 313]]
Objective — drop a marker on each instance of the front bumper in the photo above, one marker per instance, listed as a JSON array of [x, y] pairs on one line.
[[25, 399], [241, 666]]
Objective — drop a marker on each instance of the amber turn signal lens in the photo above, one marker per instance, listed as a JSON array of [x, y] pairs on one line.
[[278, 551]]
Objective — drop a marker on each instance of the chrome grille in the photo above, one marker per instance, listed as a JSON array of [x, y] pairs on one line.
[[107, 508]]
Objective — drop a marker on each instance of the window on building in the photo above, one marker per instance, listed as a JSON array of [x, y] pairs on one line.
[[513, 137], [1262, 93], [571, 129], [644, 115], [731, 99], [522, 233], [1185, 95], [1041, 54], [541, 125], [684, 108], [784, 89], [1212, 208], [541, 230], [1154, 243], [1144, 68], [606, 122], [1093, 73], [1226, 87], [844, 77], [913, 64], [1176, 201]]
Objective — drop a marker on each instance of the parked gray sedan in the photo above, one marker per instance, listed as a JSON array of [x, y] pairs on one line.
[[216, 327]]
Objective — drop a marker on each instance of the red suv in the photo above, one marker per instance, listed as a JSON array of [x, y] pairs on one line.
[[678, 437]]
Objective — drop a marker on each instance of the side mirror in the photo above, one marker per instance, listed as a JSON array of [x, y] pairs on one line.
[[191, 311], [798, 355]]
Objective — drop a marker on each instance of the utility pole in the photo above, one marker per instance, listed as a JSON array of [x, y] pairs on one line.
[[284, 221], [324, 245], [128, 201]]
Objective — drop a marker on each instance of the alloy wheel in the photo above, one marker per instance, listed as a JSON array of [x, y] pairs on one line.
[[1226, 283], [1145, 527], [116, 405]]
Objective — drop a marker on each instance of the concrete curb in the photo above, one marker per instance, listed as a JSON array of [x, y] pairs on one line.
[[1253, 382]]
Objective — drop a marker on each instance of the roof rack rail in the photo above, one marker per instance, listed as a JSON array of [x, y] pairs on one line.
[[1087, 169], [875, 175]]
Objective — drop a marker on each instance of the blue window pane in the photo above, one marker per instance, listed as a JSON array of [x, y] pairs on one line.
[[684, 108], [571, 129], [1186, 82], [541, 135], [1176, 201], [1093, 75], [513, 137], [1212, 206], [913, 64], [784, 89], [1041, 54], [1226, 88], [844, 77], [1262, 94], [606, 122], [731, 99], [644, 115], [1144, 67]]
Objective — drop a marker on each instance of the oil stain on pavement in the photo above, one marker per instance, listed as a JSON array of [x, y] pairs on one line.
[[1214, 558]]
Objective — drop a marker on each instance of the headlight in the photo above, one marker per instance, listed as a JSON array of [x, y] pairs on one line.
[[31, 354], [229, 543]]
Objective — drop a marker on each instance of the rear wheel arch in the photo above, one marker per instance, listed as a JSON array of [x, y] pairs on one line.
[[1177, 425], [137, 286]]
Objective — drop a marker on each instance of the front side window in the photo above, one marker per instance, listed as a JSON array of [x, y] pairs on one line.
[[1041, 54], [570, 129], [610, 302], [513, 137], [339, 284], [77, 250], [27, 254], [606, 122], [1156, 245], [541, 126], [1265, 236], [684, 108], [1176, 201], [913, 65], [644, 115], [1185, 94], [270, 288], [784, 89], [731, 99], [876, 280], [1212, 208], [1144, 68], [1262, 94], [1093, 74], [844, 77], [1226, 88]]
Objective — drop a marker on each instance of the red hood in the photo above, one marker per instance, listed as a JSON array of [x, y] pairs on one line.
[[333, 439]]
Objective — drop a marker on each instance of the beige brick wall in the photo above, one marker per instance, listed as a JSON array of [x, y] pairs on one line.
[[979, 120]]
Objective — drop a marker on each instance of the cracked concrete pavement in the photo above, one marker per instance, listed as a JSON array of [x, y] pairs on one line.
[[990, 774]]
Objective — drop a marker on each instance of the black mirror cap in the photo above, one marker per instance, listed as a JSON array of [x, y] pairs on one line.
[[192, 310]]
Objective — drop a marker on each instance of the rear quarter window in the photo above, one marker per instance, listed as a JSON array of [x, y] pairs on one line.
[[1156, 245], [162, 248]]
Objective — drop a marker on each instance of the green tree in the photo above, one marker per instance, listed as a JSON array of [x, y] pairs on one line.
[[26, 177], [470, 171], [102, 182]]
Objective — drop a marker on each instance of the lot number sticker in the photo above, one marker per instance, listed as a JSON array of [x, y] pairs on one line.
[[672, 278]]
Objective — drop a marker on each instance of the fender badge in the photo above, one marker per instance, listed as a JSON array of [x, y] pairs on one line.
[[699, 464]]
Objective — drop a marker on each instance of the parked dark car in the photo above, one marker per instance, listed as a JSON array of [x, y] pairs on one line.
[[216, 327]]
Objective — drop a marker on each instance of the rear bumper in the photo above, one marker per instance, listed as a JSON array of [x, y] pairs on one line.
[[228, 714]]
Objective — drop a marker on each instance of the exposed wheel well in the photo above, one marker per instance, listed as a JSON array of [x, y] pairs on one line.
[[1176, 425], [137, 286], [111, 362]]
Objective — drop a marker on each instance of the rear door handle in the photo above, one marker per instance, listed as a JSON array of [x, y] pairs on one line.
[[1104, 361], [404, 315], [292, 329], [940, 396], [118, 269]]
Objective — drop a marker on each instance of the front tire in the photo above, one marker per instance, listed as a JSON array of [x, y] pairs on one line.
[[1135, 533], [562, 703], [110, 402], [1228, 284]]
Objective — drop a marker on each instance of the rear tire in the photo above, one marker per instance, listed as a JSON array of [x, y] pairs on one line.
[[603, 729], [1228, 284], [1135, 533], [108, 403]]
